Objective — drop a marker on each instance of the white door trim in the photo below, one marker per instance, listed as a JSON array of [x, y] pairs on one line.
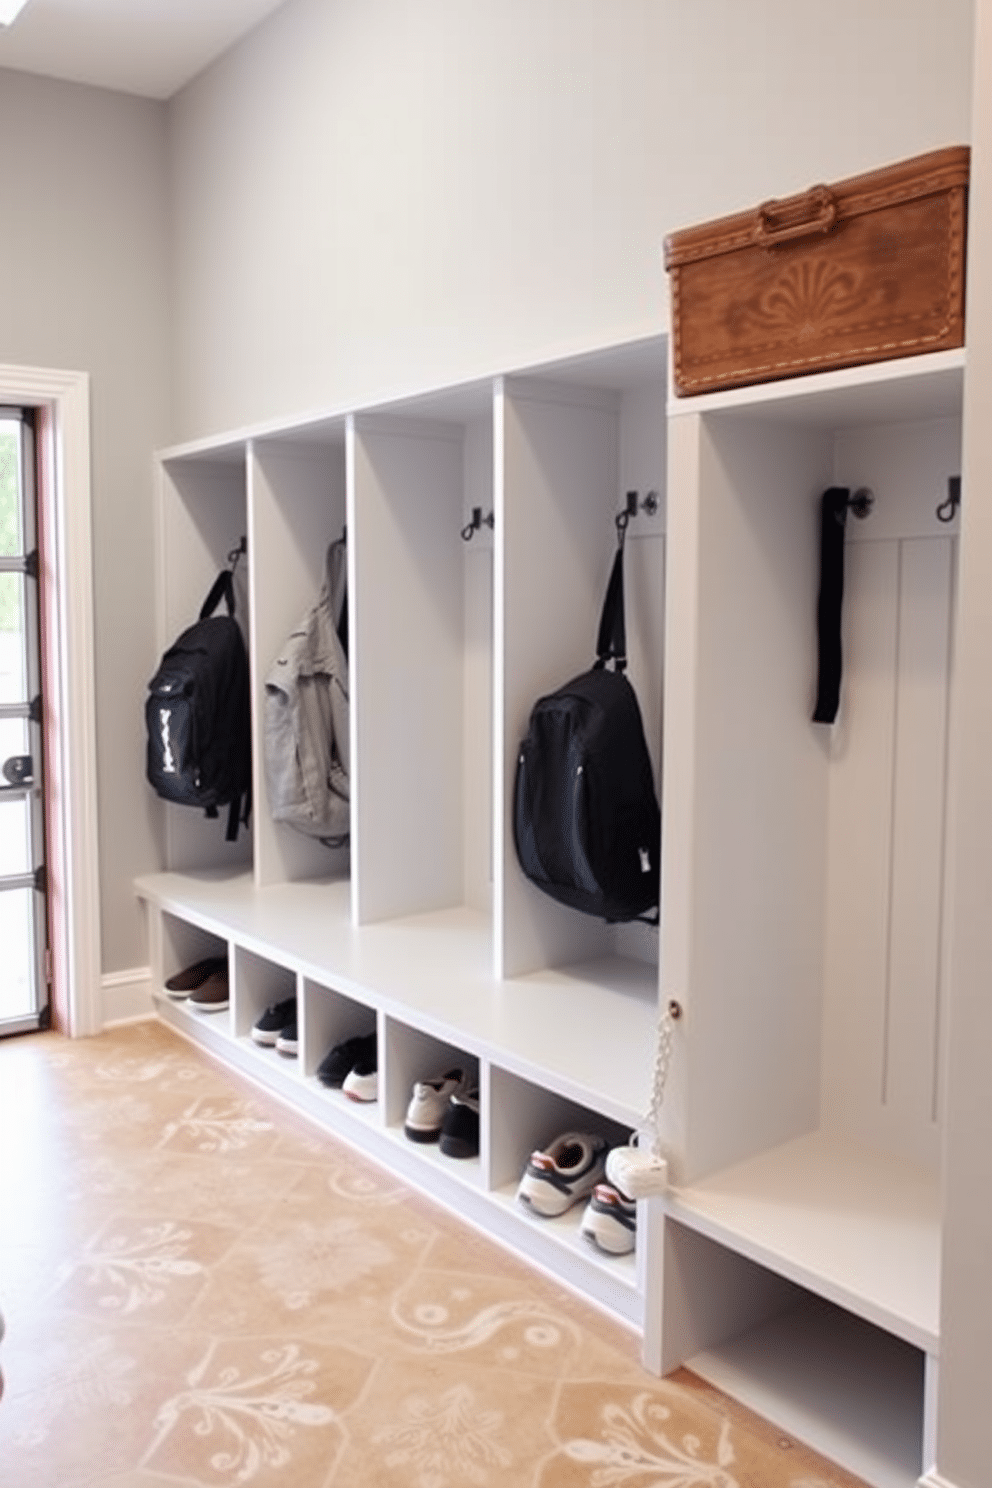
[[72, 835]]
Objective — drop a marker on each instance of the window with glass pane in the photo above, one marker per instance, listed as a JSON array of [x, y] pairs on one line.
[[17, 985], [11, 532], [13, 652]]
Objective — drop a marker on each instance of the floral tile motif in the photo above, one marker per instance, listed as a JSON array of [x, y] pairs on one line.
[[334, 1272], [634, 1437], [80, 1400], [486, 1319], [265, 1415], [141, 1266], [219, 1125], [442, 1425]]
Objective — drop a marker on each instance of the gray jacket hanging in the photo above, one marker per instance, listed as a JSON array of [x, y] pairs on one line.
[[306, 740]]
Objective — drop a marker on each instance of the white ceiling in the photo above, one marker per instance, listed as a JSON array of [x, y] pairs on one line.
[[149, 47]]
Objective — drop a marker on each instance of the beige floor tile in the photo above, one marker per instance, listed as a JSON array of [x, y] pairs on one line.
[[444, 1424]]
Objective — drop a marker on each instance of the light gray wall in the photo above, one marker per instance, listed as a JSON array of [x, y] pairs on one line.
[[376, 195], [83, 286]]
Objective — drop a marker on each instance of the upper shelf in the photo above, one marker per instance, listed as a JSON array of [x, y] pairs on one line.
[[607, 368], [434, 971], [910, 388], [855, 1227]]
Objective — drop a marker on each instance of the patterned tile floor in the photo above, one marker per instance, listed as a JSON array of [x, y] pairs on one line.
[[202, 1290]]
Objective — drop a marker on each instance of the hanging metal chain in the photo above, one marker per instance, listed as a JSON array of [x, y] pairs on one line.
[[662, 1064]]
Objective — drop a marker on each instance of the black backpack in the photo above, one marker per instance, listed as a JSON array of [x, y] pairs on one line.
[[586, 822], [198, 715]]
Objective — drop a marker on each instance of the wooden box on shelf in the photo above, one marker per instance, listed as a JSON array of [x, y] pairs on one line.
[[864, 270]]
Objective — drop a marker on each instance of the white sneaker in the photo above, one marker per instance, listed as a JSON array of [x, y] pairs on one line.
[[361, 1083], [610, 1220], [563, 1173], [429, 1104]]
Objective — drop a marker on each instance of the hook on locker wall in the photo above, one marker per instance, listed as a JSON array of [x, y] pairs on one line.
[[476, 522], [635, 503], [948, 508]]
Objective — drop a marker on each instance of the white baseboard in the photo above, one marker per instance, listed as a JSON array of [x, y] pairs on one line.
[[934, 1480], [126, 996]]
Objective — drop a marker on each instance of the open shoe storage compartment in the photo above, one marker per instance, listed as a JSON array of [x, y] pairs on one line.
[[805, 905], [480, 532]]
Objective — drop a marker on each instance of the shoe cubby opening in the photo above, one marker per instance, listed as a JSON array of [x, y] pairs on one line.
[[409, 1055], [329, 1018], [297, 505], [184, 945], [260, 984], [422, 659], [804, 928], [852, 1390], [525, 1118], [571, 444], [203, 522]]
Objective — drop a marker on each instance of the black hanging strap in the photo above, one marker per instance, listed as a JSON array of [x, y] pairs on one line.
[[223, 588], [833, 519], [612, 639]]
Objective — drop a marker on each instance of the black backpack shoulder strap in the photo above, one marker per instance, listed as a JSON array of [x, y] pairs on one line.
[[223, 588], [612, 639]]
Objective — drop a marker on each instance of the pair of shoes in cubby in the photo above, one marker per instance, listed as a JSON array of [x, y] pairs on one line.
[[277, 1028], [203, 985], [353, 1067], [445, 1109], [570, 1170]]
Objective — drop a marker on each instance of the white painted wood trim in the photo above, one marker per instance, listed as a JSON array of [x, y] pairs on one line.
[[934, 1480], [67, 395], [126, 996]]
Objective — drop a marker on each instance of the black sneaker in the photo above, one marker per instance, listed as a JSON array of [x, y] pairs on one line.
[[460, 1129], [270, 1025], [191, 977], [342, 1059], [361, 1083]]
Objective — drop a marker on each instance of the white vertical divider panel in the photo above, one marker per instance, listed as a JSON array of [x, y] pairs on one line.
[[296, 505], [745, 788], [202, 518], [478, 721], [407, 665], [643, 440], [557, 478]]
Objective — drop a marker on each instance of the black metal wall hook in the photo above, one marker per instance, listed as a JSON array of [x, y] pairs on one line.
[[948, 508], [236, 554], [477, 521], [861, 503]]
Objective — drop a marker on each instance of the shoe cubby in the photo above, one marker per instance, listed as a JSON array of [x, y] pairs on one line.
[[297, 508], [259, 983], [525, 1117], [859, 1394], [409, 1055], [421, 659], [203, 518], [181, 945], [571, 444], [327, 1018]]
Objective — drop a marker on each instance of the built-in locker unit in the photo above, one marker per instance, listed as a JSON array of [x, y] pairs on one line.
[[480, 528], [794, 1259]]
